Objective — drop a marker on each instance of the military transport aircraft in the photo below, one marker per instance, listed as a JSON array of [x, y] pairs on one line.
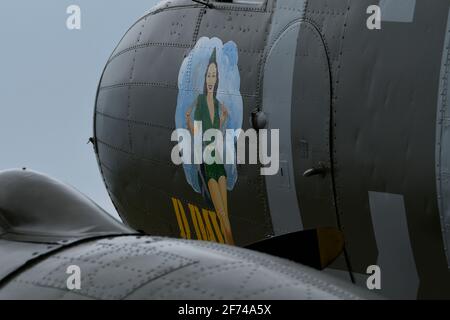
[[357, 91], [48, 229]]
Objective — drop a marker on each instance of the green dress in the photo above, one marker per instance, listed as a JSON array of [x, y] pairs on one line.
[[215, 170]]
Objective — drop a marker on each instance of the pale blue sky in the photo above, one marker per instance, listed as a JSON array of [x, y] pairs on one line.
[[48, 81]]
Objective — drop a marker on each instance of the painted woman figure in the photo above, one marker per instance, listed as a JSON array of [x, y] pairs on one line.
[[213, 114]]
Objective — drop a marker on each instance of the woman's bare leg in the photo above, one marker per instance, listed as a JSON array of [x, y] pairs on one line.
[[216, 197], [223, 193]]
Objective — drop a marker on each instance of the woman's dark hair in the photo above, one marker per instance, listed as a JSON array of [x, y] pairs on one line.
[[212, 60]]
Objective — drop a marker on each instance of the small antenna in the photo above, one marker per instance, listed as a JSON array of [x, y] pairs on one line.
[[206, 4]]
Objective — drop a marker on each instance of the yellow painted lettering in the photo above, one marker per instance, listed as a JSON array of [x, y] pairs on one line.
[[213, 216], [211, 236], [179, 219], [193, 209], [187, 229]]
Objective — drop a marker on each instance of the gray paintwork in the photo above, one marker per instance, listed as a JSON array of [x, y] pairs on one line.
[[443, 144], [279, 72], [47, 233], [363, 103], [397, 10], [160, 268], [40, 215], [395, 256]]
